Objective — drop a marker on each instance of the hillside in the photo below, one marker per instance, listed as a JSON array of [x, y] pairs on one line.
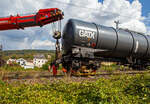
[[26, 54]]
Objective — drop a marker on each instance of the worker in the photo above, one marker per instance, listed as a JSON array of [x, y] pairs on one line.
[[53, 66], [64, 70]]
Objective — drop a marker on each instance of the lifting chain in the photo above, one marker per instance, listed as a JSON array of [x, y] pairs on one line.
[[57, 36]]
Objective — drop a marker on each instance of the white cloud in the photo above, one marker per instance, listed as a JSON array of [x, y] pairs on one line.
[[129, 15], [36, 44]]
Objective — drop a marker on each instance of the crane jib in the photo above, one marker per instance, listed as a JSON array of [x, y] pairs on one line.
[[20, 22]]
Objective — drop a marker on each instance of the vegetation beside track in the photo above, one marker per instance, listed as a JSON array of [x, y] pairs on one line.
[[115, 90]]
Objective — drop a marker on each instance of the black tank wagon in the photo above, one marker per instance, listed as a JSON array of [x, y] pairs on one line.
[[89, 43]]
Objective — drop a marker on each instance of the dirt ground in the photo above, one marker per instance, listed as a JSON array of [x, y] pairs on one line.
[[45, 77]]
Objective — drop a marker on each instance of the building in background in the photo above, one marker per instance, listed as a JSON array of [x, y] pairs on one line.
[[10, 61], [28, 65], [21, 62], [49, 56], [39, 60]]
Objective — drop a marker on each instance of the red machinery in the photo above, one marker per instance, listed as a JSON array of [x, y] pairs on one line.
[[42, 17]]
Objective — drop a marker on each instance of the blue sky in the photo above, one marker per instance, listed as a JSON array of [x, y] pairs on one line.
[[105, 13], [145, 7]]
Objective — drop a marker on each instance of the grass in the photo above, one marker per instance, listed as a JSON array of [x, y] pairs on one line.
[[115, 90]]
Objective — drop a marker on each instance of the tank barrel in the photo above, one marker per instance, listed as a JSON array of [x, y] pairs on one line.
[[116, 42]]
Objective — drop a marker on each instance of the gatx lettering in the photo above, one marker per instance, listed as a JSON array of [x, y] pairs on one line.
[[87, 34]]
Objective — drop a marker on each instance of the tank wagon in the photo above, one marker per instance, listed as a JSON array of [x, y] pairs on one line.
[[88, 44]]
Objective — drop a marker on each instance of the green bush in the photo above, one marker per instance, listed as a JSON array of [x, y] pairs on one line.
[[116, 90], [12, 68], [45, 66]]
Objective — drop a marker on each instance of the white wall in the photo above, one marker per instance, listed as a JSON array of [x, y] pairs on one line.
[[39, 62]]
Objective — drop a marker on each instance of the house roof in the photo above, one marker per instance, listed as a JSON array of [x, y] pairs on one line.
[[21, 59], [41, 56], [11, 59]]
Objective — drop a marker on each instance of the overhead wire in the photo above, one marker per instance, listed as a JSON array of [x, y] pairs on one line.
[[91, 9], [84, 7], [105, 13]]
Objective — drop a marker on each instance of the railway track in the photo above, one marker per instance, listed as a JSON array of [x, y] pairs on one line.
[[48, 75]]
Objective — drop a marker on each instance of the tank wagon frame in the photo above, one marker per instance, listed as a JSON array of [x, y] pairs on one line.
[[89, 44]]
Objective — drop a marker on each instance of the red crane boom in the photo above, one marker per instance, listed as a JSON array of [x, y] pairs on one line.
[[42, 17]]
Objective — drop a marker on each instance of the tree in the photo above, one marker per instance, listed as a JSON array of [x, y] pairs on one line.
[[45, 66]]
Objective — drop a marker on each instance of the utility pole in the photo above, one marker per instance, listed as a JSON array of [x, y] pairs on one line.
[[1, 61], [117, 24]]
